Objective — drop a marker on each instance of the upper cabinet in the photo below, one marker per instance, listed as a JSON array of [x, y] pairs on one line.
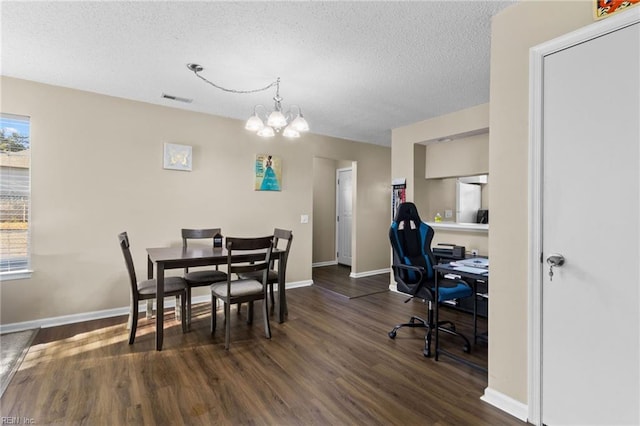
[[459, 157]]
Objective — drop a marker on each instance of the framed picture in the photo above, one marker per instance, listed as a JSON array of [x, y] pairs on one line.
[[604, 8], [177, 157], [268, 171]]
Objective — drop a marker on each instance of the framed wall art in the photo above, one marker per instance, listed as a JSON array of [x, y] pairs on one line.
[[604, 8], [177, 157], [268, 173]]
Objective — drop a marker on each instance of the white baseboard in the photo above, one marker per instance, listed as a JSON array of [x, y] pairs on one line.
[[327, 263], [298, 284], [170, 302], [369, 273], [505, 403]]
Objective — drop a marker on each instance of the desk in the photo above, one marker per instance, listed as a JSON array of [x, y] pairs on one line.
[[178, 258], [447, 268]]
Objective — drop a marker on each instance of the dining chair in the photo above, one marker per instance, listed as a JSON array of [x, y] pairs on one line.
[[280, 238], [146, 290], [203, 277], [243, 290]]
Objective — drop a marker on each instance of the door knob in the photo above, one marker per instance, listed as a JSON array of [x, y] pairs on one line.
[[555, 259]]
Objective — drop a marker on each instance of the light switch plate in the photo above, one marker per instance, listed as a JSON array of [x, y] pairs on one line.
[[304, 218]]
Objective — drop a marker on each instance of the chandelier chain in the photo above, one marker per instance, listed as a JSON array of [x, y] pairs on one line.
[[270, 85]]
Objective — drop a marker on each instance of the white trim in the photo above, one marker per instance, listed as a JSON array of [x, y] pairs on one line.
[[327, 263], [297, 284], [369, 273], [16, 275], [170, 302], [507, 404], [460, 227], [67, 319], [534, 276]]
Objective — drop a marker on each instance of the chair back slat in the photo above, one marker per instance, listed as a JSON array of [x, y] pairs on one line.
[[248, 244], [193, 234], [198, 234]]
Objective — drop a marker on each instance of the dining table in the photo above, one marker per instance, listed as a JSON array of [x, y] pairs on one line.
[[164, 258]]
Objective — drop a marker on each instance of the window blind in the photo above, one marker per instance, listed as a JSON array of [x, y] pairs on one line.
[[15, 195]]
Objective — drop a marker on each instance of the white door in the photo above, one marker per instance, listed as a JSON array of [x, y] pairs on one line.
[[344, 215], [590, 191]]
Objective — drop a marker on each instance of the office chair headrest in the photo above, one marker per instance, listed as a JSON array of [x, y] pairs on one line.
[[407, 212]]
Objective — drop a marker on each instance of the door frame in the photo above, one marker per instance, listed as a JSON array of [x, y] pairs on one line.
[[535, 263], [343, 169]]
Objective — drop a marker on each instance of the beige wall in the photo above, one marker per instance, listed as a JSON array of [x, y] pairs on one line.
[[514, 31], [460, 157], [409, 159], [324, 210], [97, 170]]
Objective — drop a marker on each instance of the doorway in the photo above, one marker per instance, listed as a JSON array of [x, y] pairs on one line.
[[344, 215]]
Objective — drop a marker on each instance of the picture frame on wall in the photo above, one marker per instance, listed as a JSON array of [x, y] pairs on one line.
[[604, 8], [268, 173], [177, 157]]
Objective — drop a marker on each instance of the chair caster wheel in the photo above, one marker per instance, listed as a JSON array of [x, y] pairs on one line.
[[392, 334], [426, 353], [466, 349]]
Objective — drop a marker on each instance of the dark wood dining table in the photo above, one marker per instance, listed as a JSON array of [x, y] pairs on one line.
[[178, 257]]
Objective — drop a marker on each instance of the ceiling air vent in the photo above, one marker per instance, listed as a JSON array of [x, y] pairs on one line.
[[177, 98]]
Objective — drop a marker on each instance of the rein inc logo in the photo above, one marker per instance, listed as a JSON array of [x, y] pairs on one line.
[[17, 420]]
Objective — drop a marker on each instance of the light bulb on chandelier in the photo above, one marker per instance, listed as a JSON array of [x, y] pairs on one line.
[[276, 120]]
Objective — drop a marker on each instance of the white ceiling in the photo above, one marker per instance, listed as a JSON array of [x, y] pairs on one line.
[[357, 69]]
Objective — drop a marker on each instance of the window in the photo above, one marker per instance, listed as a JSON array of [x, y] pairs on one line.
[[15, 195]]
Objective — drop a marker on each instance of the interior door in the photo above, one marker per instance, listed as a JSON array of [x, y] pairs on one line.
[[344, 216], [590, 216]]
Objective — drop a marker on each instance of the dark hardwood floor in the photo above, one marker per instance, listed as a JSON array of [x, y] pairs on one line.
[[331, 363]]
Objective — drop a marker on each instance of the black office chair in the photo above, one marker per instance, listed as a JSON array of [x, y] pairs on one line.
[[413, 271]]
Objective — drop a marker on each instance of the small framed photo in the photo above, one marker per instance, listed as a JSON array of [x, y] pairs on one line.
[[177, 157]]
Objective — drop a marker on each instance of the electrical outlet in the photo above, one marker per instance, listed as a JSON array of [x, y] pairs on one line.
[[474, 252], [448, 214]]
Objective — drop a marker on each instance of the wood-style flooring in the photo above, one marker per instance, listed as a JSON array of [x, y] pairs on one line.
[[330, 363]]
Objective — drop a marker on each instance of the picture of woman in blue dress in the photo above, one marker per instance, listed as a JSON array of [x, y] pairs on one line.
[[270, 180]]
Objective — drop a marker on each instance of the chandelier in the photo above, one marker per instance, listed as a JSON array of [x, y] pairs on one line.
[[276, 119]]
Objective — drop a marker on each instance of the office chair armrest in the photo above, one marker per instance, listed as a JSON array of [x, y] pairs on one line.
[[419, 282]]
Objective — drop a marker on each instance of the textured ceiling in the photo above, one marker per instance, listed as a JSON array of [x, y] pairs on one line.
[[357, 69]]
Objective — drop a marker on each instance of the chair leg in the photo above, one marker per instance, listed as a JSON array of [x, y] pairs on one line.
[[427, 343], [214, 302], [273, 299], [183, 310], [189, 307], [149, 309], [250, 313], [265, 314], [133, 318], [227, 324], [413, 322], [178, 302]]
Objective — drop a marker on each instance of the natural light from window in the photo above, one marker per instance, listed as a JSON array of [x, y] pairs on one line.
[[15, 197]]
